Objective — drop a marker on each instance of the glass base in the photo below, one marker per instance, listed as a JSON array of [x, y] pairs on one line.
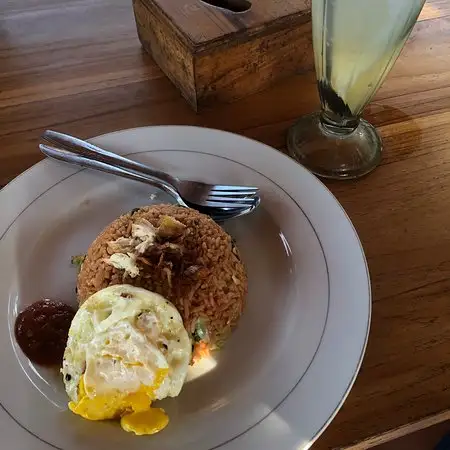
[[339, 154]]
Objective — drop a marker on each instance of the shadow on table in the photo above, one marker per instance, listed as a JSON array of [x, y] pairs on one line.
[[401, 134]]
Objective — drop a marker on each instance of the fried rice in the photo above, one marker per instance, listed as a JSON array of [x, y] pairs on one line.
[[179, 253]]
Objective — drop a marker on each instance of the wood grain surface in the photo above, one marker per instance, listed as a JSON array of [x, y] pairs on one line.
[[77, 66], [205, 51], [200, 23]]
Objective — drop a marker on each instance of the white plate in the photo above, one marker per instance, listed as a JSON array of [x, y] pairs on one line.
[[291, 362]]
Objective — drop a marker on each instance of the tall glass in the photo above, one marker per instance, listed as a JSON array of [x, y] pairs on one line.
[[356, 42]]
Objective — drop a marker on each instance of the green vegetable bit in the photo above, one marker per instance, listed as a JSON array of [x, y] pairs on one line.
[[77, 261], [201, 332]]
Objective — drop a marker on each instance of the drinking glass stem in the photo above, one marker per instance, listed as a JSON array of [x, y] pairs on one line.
[[336, 116], [335, 125]]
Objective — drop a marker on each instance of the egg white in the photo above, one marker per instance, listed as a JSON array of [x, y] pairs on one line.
[[120, 338]]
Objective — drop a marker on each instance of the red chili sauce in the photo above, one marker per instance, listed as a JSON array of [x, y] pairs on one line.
[[41, 331]]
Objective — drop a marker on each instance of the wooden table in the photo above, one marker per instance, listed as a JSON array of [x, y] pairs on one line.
[[59, 68]]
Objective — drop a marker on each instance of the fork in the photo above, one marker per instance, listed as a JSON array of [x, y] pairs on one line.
[[198, 195]]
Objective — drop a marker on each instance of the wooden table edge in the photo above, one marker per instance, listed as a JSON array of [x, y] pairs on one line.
[[399, 432]]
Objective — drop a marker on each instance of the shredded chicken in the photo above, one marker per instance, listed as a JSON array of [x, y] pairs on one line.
[[168, 273], [122, 245], [144, 237], [126, 262], [143, 246], [143, 230], [146, 233]]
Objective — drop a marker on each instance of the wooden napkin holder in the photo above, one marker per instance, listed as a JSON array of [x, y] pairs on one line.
[[214, 55]]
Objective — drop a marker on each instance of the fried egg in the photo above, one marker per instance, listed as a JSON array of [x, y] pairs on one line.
[[126, 347]]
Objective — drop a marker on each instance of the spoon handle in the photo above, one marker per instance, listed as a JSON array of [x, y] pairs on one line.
[[65, 155], [88, 150]]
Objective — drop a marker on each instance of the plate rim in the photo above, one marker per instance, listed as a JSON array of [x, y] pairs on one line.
[[42, 165]]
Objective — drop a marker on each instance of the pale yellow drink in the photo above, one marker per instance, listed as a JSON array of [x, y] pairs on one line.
[[356, 42]]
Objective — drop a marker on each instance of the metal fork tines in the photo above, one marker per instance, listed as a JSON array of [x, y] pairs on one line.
[[191, 193], [216, 195]]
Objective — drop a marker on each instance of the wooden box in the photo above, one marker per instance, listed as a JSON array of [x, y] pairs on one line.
[[214, 55]]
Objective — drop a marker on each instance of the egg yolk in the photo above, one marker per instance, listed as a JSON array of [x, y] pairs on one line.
[[133, 409], [145, 422]]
